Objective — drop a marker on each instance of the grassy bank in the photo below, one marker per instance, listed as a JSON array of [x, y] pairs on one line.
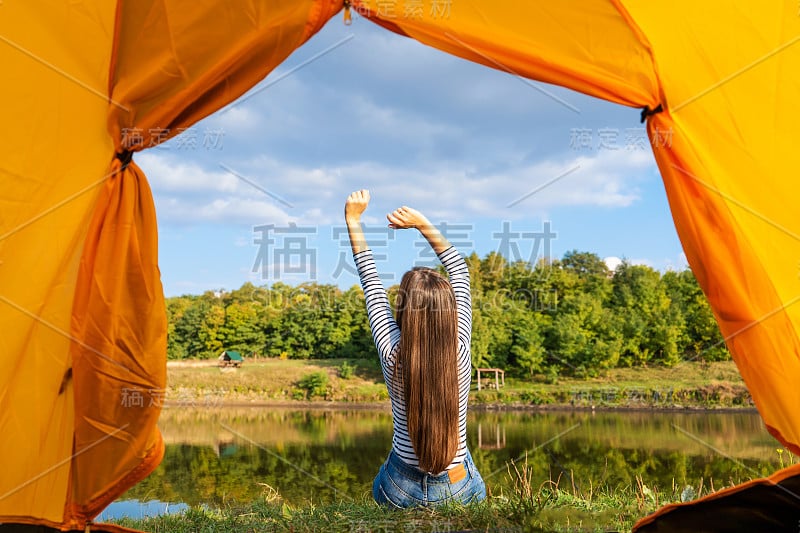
[[555, 505], [557, 515], [688, 385]]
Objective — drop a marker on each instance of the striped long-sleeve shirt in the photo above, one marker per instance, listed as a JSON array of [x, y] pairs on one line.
[[386, 334]]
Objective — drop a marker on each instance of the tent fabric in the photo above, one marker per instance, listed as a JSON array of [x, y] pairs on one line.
[[728, 175], [116, 353], [770, 504], [54, 158], [156, 91], [91, 82], [588, 47]]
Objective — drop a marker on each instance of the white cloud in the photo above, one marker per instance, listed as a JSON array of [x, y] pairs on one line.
[[238, 118], [281, 192], [227, 209], [612, 262], [606, 180], [641, 262], [415, 126], [187, 192], [396, 123], [168, 172]]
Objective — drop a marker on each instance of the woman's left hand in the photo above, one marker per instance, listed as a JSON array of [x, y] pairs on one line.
[[406, 217]]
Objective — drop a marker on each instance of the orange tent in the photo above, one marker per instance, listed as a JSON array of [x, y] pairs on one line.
[[91, 82]]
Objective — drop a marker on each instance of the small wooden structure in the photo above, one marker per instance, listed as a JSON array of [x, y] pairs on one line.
[[499, 376], [231, 358]]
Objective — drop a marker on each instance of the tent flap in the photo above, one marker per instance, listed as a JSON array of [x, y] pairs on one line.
[[118, 357], [87, 80]]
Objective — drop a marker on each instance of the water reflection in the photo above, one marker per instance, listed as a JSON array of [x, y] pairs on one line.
[[485, 436], [218, 456], [138, 509]]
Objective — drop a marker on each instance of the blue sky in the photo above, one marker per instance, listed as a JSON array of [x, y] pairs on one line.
[[256, 191]]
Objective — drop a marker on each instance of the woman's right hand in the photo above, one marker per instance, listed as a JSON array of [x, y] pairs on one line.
[[356, 203]]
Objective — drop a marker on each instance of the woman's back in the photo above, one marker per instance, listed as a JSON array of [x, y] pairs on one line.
[[387, 335], [426, 363]]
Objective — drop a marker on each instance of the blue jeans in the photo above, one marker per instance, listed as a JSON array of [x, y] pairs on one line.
[[399, 484]]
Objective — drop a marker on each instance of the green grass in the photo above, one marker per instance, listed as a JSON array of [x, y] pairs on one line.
[[704, 385], [554, 505], [273, 380]]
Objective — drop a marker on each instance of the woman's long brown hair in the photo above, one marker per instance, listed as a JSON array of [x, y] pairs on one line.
[[426, 365]]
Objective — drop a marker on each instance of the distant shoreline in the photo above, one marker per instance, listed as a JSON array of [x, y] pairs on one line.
[[340, 384], [482, 407]]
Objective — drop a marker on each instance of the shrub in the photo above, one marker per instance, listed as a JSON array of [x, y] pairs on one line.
[[314, 384], [346, 370]]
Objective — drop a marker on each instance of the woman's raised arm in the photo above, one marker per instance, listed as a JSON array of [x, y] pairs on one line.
[[356, 203], [407, 217]]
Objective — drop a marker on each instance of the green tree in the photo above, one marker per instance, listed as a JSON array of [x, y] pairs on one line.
[[700, 338], [481, 335], [359, 343], [190, 329], [592, 271], [492, 271], [510, 334], [584, 264], [651, 326], [241, 330], [585, 337], [211, 329], [295, 333], [176, 338]]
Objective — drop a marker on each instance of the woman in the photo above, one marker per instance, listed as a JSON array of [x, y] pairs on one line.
[[425, 357]]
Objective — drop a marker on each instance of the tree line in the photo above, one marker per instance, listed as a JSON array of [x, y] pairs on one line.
[[568, 316]]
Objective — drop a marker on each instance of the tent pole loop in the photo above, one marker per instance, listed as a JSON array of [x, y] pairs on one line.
[[646, 112], [125, 157]]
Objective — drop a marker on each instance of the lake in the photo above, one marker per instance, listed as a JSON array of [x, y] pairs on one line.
[[315, 456]]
